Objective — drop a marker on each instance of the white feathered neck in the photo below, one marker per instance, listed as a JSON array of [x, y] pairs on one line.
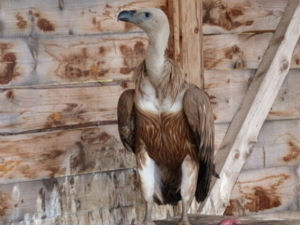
[[155, 55]]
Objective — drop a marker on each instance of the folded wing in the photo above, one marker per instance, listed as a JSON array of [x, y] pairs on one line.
[[126, 122], [200, 118]]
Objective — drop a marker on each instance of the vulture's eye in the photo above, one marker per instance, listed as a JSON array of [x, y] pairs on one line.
[[147, 14]]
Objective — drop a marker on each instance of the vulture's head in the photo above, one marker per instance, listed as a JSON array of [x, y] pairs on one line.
[[151, 20]]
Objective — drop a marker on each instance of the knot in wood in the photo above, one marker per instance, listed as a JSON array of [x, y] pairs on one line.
[[284, 65]]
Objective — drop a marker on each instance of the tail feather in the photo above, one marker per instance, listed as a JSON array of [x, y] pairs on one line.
[[206, 170]]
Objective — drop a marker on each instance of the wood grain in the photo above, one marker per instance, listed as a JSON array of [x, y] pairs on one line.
[[30, 109], [186, 38], [70, 59], [231, 16], [113, 194], [239, 51], [49, 18], [265, 191], [84, 59], [278, 145], [101, 58], [78, 151], [62, 153], [227, 89], [88, 218], [244, 129], [107, 198], [16, 61]]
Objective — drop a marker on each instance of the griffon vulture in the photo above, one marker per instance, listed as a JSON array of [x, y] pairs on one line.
[[167, 123]]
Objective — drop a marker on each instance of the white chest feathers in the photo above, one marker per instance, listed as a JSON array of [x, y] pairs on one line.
[[148, 99]]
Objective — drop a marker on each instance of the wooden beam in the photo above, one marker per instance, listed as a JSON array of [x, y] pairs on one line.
[[245, 126], [186, 37]]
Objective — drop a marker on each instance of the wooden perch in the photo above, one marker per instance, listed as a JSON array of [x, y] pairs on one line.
[[246, 124], [214, 220]]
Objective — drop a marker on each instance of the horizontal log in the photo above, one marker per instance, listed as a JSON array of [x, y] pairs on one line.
[[100, 58], [278, 145], [239, 51], [109, 193], [57, 153], [265, 191], [70, 59], [31, 109], [231, 16], [62, 153], [67, 17], [228, 88]]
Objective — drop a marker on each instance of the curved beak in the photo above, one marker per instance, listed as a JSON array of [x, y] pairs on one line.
[[126, 15]]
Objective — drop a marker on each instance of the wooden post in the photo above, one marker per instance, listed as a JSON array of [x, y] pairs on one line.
[[186, 37], [246, 124]]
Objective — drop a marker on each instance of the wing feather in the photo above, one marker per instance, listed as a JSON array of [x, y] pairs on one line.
[[200, 118], [126, 122]]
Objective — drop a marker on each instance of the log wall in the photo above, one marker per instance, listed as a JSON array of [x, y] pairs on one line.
[[63, 65]]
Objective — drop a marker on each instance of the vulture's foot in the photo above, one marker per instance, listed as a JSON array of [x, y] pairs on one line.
[[184, 222]]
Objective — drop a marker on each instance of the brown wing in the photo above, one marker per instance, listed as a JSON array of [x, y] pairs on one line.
[[200, 118], [126, 123]]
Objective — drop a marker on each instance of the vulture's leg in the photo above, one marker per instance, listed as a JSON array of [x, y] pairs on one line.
[[146, 169], [188, 186]]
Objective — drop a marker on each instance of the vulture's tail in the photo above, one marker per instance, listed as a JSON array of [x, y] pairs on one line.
[[206, 171]]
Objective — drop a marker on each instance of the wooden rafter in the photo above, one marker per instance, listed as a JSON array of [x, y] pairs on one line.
[[246, 124]]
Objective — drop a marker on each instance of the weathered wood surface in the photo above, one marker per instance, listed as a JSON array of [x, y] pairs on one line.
[[114, 198], [16, 61], [244, 129], [59, 153], [62, 153], [239, 51], [278, 145], [90, 58], [31, 109], [67, 17], [71, 59], [185, 45], [100, 58], [228, 88], [51, 18], [232, 16], [107, 198], [265, 190], [113, 194], [72, 152], [215, 220]]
